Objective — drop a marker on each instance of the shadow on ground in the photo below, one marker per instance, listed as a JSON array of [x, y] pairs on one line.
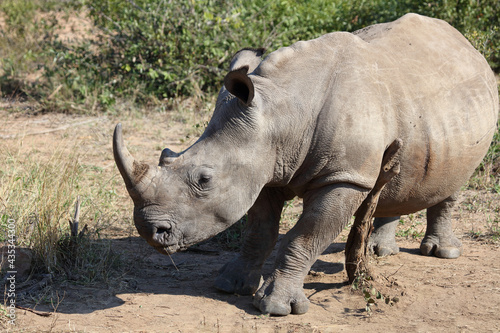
[[189, 273]]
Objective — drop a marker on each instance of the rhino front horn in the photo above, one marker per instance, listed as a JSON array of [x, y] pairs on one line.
[[132, 171]]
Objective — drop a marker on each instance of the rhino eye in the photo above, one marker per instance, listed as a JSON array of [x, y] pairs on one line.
[[201, 179], [204, 180]]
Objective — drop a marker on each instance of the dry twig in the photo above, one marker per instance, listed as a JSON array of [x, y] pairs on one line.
[[356, 246], [38, 313]]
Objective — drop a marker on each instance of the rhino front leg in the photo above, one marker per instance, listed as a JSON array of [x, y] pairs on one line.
[[439, 237], [242, 275], [326, 211], [382, 241]]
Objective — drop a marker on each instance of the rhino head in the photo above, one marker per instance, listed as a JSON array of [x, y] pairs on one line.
[[193, 195]]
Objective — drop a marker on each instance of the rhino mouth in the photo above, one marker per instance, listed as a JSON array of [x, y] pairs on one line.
[[169, 249], [164, 242]]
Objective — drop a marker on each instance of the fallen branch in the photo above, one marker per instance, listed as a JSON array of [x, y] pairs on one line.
[[38, 313], [356, 246]]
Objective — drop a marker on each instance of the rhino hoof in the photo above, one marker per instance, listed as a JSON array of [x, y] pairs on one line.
[[271, 305], [279, 297], [448, 252], [452, 250], [384, 251]]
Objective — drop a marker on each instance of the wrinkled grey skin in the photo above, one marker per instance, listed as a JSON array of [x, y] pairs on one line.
[[313, 120]]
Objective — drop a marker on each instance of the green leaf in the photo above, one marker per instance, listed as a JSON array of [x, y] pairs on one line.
[[208, 16], [153, 74]]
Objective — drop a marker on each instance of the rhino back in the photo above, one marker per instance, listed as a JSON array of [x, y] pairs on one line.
[[444, 101], [350, 95]]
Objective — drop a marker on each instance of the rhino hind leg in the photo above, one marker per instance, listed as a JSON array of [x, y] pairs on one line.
[[242, 275], [439, 238], [382, 241]]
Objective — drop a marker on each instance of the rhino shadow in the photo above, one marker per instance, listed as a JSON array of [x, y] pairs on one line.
[[189, 273]]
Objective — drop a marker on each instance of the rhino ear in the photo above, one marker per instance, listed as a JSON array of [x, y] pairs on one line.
[[239, 84]]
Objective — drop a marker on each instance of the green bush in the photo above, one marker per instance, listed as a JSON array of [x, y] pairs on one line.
[[153, 50]]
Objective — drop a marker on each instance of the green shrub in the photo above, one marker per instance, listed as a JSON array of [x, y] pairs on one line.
[[149, 50]]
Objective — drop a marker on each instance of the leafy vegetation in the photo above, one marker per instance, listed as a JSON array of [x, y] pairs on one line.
[[151, 51], [364, 283]]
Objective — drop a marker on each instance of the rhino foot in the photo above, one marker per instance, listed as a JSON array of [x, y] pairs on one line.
[[441, 247], [382, 245], [383, 249], [439, 239], [382, 241], [280, 298], [236, 278]]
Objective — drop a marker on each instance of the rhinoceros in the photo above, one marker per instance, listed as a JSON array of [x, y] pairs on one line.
[[313, 120]]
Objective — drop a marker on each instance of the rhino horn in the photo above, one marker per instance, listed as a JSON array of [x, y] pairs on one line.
[[133, 172]]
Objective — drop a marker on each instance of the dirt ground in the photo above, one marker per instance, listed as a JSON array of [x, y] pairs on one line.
[[156, 295]]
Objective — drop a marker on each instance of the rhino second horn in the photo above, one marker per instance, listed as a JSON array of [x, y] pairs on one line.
[[131, 170], [167, 157]]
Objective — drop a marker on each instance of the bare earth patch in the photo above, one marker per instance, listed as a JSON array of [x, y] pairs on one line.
[[156, 295]]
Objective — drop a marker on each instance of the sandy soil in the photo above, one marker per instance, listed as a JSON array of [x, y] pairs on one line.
[[154, 295]]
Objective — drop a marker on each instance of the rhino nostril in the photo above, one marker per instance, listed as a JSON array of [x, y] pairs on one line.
[[162, 234], [163, 230]]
